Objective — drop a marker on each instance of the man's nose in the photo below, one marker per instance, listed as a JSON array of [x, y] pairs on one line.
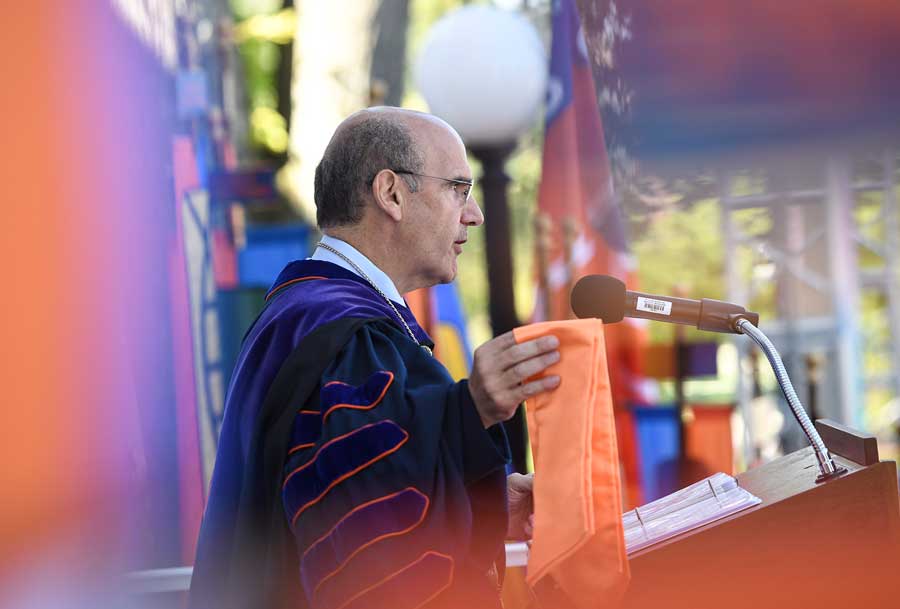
[[472, 215]]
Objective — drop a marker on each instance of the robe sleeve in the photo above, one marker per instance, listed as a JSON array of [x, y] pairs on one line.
[[378, 480]]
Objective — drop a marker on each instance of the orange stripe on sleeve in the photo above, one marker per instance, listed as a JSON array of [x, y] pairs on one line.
[[376, 539], [373, 404], [300, 447], [400, 571], [361, 507], [336, 481], [347, 475], [278, 288]]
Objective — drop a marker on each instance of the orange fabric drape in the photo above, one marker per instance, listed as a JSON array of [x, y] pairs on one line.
[[578, 535]]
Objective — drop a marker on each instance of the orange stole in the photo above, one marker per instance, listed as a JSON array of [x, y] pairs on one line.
[[578, 535]]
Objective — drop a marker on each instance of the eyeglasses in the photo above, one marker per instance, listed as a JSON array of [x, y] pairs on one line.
[[467, 184]]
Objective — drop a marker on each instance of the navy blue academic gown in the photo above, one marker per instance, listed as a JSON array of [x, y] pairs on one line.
[[352, 471]]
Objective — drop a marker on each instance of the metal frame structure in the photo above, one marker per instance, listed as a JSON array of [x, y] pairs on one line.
[[812, 246]]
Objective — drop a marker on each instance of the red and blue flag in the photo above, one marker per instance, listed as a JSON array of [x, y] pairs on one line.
[[585, 227]]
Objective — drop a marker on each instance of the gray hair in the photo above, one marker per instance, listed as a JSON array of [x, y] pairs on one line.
[[355, 155]]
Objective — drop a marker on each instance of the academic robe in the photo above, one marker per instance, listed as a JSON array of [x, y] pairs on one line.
[[351, 470]]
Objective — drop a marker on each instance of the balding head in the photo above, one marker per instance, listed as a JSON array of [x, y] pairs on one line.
[[363, 144]]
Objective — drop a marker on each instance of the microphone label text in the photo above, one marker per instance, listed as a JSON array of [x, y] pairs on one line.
[[652, 305]]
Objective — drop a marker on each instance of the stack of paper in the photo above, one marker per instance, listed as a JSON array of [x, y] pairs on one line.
[[691, 507]]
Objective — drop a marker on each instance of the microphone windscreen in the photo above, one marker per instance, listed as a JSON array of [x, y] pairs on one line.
[[599, 296]]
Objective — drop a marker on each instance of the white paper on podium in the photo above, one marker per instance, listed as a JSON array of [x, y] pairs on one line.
[[696, 505]]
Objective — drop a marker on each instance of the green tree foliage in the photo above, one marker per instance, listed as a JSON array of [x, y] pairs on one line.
[[261, 59], [680, 250]]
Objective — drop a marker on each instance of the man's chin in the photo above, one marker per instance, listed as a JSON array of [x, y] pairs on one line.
[[444, 275], [451, 275]]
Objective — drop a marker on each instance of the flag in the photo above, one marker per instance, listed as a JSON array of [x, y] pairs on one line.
[[451, 344], [580, 228], [439, 311]]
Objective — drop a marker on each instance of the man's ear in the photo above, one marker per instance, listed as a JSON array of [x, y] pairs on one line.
[[389, 193]]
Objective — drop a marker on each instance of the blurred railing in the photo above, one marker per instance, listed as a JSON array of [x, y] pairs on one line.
[[178, 579]]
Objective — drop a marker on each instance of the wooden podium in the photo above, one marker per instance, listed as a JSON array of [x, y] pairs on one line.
[[818, 545]]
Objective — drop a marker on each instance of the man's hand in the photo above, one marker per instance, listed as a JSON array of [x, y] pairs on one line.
[[521, 506], [499, 369]]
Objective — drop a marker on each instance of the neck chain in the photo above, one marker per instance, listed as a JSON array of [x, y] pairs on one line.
[[377, 289]]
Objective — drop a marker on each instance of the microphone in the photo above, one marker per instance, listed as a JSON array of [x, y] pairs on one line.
[[606, 298]]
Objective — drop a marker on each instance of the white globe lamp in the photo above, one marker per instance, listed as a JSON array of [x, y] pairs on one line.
[[484, 71]]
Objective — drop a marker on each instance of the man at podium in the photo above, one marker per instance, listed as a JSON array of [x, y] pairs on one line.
[[352, 471]]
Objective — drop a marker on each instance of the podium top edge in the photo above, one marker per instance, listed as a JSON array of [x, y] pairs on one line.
[[857, 446]]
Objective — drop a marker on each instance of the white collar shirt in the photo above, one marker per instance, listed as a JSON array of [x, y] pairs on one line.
[[379, 277]]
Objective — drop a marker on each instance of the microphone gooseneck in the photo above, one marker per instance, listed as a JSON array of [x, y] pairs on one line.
[[827, 466]]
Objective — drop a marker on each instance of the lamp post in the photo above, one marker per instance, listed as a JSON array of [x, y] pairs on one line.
[[484, 71], [494, 180]]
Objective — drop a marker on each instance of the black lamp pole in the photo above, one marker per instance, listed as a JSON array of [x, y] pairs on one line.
[[502, 305], [496, 226]]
